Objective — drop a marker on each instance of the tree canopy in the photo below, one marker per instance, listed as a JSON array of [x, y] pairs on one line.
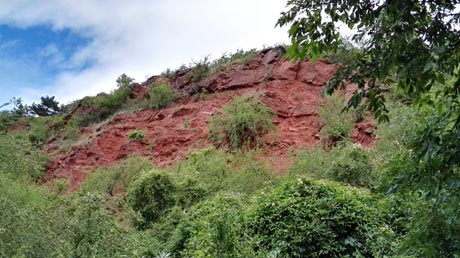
[[415, 43], [48, 107]]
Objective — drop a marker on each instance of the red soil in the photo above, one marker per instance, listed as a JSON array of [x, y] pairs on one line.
[[290, 88]]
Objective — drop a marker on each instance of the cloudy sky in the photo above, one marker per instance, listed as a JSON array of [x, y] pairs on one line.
[[71, 49]]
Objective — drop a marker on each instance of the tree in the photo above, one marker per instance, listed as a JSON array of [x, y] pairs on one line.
[[415, 45], [48, 107], [19, 109], [124, 81]]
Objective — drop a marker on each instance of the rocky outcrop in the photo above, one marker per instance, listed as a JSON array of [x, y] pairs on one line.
[[291, 89]]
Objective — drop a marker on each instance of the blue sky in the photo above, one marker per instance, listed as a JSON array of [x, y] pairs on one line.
[[71, 49], [32, 58]]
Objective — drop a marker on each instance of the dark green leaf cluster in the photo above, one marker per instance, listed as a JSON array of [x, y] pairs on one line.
[[321, 219], [415, 43]]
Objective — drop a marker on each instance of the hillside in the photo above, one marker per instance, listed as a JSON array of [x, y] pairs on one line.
[[238, 157], [291, 89]]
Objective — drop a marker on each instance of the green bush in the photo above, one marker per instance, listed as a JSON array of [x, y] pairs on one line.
[[20, 159], [336, 124], [348, 163], [88, 230], [320, 219], [351, 165], [241, 123], [124, 174], [136, 135], [25, 228], [214, 170], [214, 228], [152, 195], [161, 96], [200, 70], [26, 231], [103, 105], [38, 132]]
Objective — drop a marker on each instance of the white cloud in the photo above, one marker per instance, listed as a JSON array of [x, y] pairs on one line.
[[144, 37]]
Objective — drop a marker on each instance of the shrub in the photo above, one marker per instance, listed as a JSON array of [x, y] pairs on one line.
[[124, 81], [103, 105], [200, 70], [214, 228], [320, 219], [347, 163], [336, 123], [38, 132], [209, 171], [161, 96], [26, 231], [151, 195], [90, 231], [20, 159], [136, 135], [241, 123], [352, 166], [123, 174]]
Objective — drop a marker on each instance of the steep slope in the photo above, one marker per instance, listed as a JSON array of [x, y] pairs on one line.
[[291, 89]]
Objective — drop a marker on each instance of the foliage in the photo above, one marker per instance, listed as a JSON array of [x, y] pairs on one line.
[[214, 228], [6, 118], [320, 219], [336, 124], [204, 68], [124, 81], [90, 231], [240, 56], [136, 135], [26, 231], [20, 159], [347, 163], [431, 166], [38, 132], [20, 109], [241, 123], [103, 105], [352, 166], [48, 107], [105, 180], [151, 195], [161, 96], [401, 40], [200, 70], [210, 171]]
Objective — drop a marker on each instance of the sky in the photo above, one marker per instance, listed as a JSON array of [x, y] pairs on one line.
[[70, 49]]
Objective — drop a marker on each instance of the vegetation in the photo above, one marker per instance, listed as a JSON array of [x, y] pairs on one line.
[[317, 219], [48, 107], [241, 123], [161, 96], [413, 45], [103, 105], [204, 68], [336, 124], [397, 199], [136, 135]]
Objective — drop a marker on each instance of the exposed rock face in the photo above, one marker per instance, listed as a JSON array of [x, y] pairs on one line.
[[291, 89]]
